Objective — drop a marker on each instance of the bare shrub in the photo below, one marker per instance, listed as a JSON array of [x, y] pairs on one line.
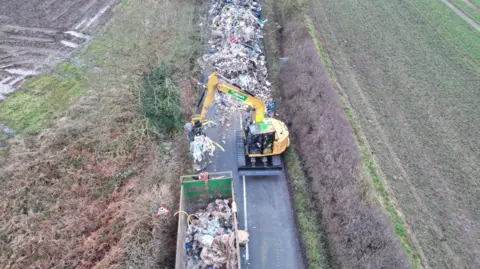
[[83, 194]]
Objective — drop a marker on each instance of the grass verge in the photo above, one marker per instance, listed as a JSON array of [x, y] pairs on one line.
[[271, 42], [369, 164]]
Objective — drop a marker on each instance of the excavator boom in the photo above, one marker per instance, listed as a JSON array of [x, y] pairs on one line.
[[214, 84]]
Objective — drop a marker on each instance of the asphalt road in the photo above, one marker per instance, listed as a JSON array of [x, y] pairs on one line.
[[264, 205]]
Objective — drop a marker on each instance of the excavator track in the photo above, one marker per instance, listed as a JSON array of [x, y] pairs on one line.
[[277, 161], [241, 160]]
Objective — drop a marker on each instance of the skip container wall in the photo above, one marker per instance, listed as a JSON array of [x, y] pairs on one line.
[[196, 194]]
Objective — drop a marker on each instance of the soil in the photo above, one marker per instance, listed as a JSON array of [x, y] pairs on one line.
[[37, 34]]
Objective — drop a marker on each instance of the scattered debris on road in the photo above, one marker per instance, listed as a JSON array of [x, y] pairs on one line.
[[162, 211]]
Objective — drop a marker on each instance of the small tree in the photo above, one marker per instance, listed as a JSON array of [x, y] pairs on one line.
[[161, 100]]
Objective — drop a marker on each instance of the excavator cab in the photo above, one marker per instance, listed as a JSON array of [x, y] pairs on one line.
[[260, 139], [259, 147]]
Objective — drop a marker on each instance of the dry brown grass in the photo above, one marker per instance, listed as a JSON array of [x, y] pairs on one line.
[[83, 193], [66, 206]]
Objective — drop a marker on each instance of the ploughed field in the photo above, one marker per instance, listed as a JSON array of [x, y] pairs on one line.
[[35, 34]]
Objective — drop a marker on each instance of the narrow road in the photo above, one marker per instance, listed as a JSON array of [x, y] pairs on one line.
[[264, 206], [461, 14]]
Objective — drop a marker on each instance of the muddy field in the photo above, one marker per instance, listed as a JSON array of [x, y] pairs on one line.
[[36, 34]]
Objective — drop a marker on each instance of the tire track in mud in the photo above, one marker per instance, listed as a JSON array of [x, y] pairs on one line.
[[36, 34]]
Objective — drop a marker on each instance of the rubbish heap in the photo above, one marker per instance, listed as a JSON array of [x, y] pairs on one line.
[[210, 238], [201, 147], [236, 46], [236, 53], [227, 104]]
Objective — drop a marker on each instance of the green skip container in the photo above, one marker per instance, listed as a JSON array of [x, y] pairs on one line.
[[196, 194]]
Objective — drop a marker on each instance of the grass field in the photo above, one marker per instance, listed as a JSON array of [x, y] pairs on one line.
[[475, 2], [472, 11], [411, 70], [42, 99]]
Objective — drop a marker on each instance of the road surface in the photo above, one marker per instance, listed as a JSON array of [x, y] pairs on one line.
[[264, 205]]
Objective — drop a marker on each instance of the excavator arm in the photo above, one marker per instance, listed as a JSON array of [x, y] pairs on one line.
[[261, 143], [216, 84]]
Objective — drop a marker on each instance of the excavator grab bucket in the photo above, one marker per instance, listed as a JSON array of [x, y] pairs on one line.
[[273, 166]]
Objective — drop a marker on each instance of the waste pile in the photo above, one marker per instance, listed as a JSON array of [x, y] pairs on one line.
[[210, 238], [201, 147], [236, 53], [236, 46]]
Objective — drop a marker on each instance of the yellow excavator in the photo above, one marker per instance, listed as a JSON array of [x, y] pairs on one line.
[[262, 140]]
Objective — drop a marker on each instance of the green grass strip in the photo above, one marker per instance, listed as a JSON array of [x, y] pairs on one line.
[[42, 99], [369, 163], [475, 2], [306, 212]]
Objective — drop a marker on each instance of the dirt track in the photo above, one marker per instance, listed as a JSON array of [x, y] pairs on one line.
[[461, 14], [36, 34], [473, 6]]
